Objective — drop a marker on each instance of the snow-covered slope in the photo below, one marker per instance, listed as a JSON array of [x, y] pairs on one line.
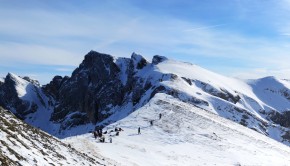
[[21, 144], [267, 92], [104, 89], [262, 105], [26, 99], [185, 135]]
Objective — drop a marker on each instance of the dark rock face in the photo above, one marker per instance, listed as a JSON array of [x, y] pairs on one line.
[[139, 61], [221, 93], [92, 88], [9, 98], [158, 59], [95, 87], [282, 119], [54, 86]]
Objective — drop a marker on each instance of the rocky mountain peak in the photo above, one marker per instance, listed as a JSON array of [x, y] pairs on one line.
[[158, 59], [88, 94], [21, 95], [96, 66], [10, 77], [138, 61], [94, 57], [13, 80]]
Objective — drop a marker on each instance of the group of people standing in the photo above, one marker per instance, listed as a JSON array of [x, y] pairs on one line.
[[99, 131]]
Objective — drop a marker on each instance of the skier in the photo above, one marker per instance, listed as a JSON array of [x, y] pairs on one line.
[[111, 140], [160, 115], [139, 130]]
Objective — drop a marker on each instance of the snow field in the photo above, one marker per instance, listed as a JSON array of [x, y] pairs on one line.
[[185, 135]]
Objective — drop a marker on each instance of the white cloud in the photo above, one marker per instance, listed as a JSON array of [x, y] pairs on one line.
[[203, 27], [65, 69], [12, 53], [62, 38]]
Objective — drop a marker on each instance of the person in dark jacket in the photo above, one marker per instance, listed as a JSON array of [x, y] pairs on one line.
[[151, 122], [95, 134], [139, 130]]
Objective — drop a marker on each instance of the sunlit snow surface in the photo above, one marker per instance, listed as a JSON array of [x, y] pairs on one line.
[[185, 135]]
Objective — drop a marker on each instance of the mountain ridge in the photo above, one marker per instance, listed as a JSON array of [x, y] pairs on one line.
[[103, 85]]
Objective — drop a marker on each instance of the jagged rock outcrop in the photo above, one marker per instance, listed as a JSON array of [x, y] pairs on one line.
[[282, 119], [138, 61], [33, 81], [158, 59], [14, 95], [221, 93], [54, 86], [88, 94], [95, 87]]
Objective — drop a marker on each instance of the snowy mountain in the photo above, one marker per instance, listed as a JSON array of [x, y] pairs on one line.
[[27, 100], [185, 135], [21, 144], [105, 89]]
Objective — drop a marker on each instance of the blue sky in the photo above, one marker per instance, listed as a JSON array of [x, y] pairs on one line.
[[238, 38]]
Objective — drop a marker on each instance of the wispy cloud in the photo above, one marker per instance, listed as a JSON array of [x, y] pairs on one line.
[[61, 37], [204, 27], [64, 69], [12, 53]]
